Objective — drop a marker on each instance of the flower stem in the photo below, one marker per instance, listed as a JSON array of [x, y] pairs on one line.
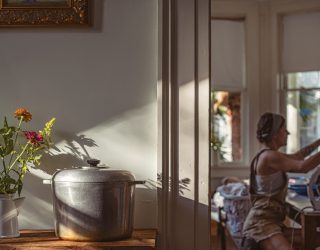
[[15, 139], [19, 156]]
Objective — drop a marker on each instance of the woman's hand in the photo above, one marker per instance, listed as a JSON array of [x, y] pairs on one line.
[[305, 151]]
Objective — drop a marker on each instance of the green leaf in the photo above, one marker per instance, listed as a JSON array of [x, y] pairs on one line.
[[21, 153], [9, 147], [11, 180], [3, 131], [24, 169]]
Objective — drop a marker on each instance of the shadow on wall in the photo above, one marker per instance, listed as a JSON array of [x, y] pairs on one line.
[[145, 196], [74, 153], [183, 183]]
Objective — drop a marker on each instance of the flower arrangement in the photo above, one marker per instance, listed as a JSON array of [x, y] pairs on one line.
[[20, 148]]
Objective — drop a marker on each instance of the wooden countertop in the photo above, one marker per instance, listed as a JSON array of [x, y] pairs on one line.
[[142, 239]]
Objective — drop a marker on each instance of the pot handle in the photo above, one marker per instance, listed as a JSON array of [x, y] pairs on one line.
[[136, 182], [47, 181]]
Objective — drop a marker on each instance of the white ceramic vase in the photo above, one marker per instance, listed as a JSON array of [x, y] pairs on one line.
[[9, 211]]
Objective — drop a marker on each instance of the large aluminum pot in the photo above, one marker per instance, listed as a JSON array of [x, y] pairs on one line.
[[93, 203]]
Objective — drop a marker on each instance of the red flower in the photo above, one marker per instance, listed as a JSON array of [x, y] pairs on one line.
[[33, 137]]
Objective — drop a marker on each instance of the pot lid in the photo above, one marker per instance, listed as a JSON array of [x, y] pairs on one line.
[[92, 174]]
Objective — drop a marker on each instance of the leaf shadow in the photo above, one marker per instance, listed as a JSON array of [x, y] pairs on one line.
[[183, 183], [73, 153]]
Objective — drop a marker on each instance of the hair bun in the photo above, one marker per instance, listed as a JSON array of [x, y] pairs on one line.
[[262, 136]]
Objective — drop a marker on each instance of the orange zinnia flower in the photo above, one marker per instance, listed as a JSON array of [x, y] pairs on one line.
[[24, 113]]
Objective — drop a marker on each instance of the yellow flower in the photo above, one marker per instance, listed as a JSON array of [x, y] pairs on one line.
[[24, 113], [47, 128]]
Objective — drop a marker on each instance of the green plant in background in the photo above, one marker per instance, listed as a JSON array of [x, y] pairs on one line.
[[20, 148], [217, 145], [308, 106], [217, 113]]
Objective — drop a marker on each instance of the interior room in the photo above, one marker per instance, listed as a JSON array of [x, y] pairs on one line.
[[264, 59], [160, 96]]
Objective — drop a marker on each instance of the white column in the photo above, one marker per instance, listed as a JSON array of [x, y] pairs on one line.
[[184, 214]]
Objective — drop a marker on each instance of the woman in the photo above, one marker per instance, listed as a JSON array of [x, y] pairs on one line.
[[268, 183]]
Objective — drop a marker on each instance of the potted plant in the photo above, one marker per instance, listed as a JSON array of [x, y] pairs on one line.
[[19, 149]]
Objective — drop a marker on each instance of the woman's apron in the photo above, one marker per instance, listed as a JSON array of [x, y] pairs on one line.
[[267, 214]]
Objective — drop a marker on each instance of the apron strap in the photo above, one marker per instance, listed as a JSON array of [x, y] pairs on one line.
[[253, 168]]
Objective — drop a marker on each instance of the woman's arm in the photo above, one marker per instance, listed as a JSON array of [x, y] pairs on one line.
[[305, 151], [282, 162]]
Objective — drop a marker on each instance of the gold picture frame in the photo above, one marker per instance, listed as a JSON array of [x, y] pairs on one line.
[[44, 13]]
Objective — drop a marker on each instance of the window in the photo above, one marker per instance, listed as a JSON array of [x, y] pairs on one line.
[[300, 66], [302, 104], [228, 89], [226, 134]]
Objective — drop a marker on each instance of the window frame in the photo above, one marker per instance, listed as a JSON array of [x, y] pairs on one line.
[[248, 12], [244, 104], [284, 90]]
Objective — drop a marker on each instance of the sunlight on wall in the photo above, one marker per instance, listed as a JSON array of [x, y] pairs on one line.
[[36, 211], [186, 136], [187, 143], [118, 143], [204, 165], [125, 143], [100, 84]]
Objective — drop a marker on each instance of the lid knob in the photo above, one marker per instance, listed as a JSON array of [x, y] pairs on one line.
[[93, 162]]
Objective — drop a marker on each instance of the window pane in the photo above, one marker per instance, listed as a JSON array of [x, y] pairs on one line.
[[226, 125], [303, 112], [300, 35], [304, 80], [228, 53]]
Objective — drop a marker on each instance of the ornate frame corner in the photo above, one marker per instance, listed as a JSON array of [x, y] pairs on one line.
[[74, 13]]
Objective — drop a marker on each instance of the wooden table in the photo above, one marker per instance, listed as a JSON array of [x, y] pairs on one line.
[[143, 239], [299, 209]]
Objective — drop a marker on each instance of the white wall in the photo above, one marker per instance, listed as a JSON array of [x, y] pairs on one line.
[[99, 82]]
